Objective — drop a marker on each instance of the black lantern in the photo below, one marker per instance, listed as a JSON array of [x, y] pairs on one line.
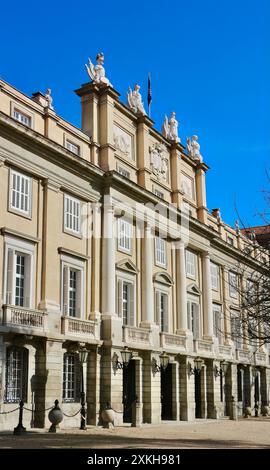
[[83, 353], [164, 361], [126, 356]]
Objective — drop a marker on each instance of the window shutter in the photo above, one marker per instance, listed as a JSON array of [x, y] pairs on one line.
[[120, 297], [189, 322], [131, 319], [166, 314], [10, 277], [28, 277], [158, 308], [79, 294], [65, 289], [196, 321]]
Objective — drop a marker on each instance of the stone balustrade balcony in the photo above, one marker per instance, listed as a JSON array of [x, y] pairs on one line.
[[173, 342], [23, 320], [76, 327], [137, 336]]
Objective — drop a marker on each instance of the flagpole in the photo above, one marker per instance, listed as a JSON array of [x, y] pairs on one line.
[[149, 95]]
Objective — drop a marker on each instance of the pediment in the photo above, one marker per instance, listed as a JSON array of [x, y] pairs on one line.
[[193, 289], [163, 278], [127, 265]]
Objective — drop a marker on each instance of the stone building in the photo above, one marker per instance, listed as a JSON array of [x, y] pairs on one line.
[[88, 259]]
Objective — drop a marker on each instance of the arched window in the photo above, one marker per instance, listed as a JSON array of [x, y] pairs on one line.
[[16, 374]]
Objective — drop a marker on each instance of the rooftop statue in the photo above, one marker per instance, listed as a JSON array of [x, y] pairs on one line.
[[134, 99], [49, 99], [97, 72], [170, 128], [193, 147]]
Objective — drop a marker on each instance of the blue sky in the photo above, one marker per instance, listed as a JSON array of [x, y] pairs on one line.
[[209, 61]]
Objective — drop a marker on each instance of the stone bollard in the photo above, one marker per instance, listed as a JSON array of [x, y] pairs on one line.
[[108, 416], [233, 413], [136, 414], [265, 410], [55, 416]]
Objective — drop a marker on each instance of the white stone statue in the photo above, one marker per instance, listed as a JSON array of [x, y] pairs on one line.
[[97, 72], [134, 99], [193, 147], [49, 99], [170, 128]]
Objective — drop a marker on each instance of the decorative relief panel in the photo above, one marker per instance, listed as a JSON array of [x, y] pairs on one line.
[[122, 141], [158, 161], [187, 186]]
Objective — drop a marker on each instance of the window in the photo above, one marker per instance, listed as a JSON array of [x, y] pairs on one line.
[[193, 318], [123, 172], [71, 378], [22, 117], [72, 291], [191, 261], [217, 317], [236, 330], [20, 193], [230, 240], [160, 251], [214, 276], [187, 186], [158, 193], [233, 284], [126, 301], [72, 214], [162, 311], [73, 147], [124, 235], [19, 275], [16, 374]]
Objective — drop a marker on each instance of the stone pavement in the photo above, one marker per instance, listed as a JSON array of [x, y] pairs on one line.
[[245, 433]]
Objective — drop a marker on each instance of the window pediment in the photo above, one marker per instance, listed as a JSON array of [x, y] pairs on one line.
[[193, 289], [163, 278], [127, 265]]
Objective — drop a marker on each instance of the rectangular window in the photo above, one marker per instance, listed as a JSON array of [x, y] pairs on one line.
[[158, 193], [217, 321], [160, 251], [191, 261], [72, 291], [187, 186], [16, 374], [233, 284], [236, 330], [71, 378], [193, 318], [162, 310], [18, 278], [72, 214], [20, 192], [126, 301], [230, 240], [22, 117], [124, 235], [74, 148], [122, 171], [214, 276]]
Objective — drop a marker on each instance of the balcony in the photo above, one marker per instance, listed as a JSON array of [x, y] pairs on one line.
[[174, 342], [225, 351], [203, 347], [260, 359], [24, 320], [243, 356], [135, 335], [87, 329]]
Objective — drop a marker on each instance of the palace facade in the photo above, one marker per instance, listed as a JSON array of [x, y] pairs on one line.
[[88, 260]]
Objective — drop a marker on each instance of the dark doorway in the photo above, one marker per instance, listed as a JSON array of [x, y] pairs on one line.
[[166, 392], [257, 388], [198, 394], [129, 390]]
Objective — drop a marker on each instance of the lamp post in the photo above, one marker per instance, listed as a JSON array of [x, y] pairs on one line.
[[164, 361], [83, 353]]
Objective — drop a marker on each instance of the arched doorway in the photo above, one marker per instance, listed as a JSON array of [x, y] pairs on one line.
[[166, 393], [129, 390]]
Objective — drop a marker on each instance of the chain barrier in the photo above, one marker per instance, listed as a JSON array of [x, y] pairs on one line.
[[38, 410], [72, 416], [7, 412]]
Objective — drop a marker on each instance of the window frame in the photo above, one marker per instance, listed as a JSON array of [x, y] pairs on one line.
[[70, 143], [126, 236], [217, 285], [232, 287], [159, 262], [23, 387], [193, 324], [195, 258], [68, 264], [76, 379], [217, 308], [131, 314], [72, 200], [163, 323], [15, 210]]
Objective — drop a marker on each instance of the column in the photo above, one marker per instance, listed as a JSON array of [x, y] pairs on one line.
[[207, 297], [187, 390], [147, 278], [93, 387], [181, 291], [108, 259], [175, 391]]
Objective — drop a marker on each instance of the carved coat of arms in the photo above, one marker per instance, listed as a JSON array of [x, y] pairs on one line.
[[158, 161]]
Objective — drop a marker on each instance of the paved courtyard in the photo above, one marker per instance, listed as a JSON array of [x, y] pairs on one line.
[[245, 433]]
